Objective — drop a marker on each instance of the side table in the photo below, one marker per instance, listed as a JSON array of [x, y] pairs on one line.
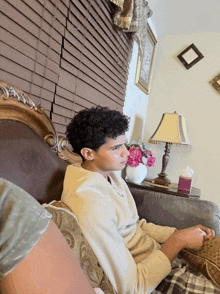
[[172, 189]]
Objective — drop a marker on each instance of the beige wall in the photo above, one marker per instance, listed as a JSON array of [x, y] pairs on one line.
[[174, 88]]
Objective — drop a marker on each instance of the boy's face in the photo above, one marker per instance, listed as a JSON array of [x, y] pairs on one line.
[[111, 156]]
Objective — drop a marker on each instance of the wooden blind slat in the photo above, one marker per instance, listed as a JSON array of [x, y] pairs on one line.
[[51, 7], [28, 38], [94, 72], [89, 51], [31, 27], [87, 29], [63, 111], [60, 119]]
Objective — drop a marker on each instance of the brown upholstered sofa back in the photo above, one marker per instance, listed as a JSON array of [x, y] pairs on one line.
[[28, 161]]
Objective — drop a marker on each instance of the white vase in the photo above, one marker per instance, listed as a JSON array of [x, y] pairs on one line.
[[136, 174]]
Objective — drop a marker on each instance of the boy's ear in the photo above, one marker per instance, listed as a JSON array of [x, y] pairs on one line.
[[87, 153]]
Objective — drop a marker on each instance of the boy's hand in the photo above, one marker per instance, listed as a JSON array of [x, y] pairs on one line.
[[191, 238], [210, 234], [194, 237]]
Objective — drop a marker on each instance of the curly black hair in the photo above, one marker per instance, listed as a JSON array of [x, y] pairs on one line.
[[91, 127]]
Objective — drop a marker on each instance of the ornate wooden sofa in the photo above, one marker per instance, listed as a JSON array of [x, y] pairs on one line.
[[33, 157]]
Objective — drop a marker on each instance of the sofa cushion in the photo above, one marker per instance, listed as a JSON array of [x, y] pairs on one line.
[[68, 225]]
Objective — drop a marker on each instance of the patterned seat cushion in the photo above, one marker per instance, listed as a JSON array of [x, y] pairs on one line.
[[68, 225]]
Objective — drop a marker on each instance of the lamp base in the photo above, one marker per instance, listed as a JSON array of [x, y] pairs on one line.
[[162, 180]]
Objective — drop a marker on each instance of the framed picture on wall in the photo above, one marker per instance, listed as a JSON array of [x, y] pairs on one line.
[[144, 67]]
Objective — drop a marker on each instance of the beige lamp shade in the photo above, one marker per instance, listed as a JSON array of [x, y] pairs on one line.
[[172, 129]]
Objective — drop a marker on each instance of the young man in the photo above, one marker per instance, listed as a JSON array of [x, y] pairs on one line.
[[127, 248]]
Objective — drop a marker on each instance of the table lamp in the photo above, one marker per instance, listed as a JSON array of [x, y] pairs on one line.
[[171, 130]]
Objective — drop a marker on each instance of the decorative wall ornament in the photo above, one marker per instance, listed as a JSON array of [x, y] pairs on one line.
[[215, 82], [190, 56], [132, 16], [144, 68]]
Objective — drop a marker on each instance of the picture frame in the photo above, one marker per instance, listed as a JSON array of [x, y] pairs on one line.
[[144, 68], [190, 56], [215, 82]]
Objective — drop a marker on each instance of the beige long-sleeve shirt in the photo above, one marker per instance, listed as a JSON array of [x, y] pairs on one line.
[[127, 248]]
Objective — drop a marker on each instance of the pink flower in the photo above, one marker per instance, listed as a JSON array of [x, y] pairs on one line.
[[135, 156], [139, 155], [151, 161]]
